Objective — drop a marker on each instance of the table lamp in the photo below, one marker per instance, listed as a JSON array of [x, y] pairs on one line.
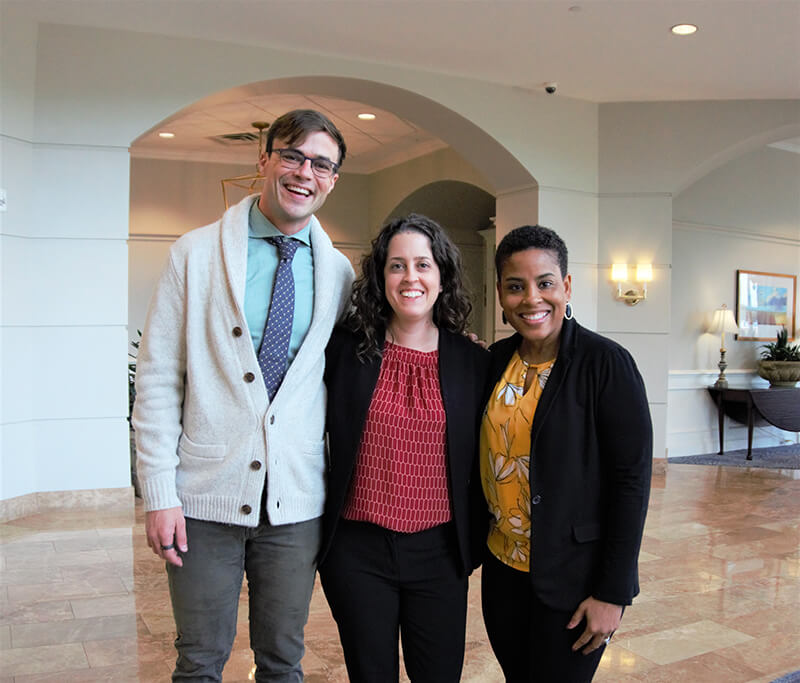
[[722, 322]]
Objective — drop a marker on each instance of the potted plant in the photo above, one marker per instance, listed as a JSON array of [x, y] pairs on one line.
[[780, 362]]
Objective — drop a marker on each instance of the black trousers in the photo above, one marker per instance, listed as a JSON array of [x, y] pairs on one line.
[[530, 640], [381, 584]]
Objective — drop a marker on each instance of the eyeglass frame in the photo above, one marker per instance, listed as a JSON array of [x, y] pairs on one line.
[[334, 165]]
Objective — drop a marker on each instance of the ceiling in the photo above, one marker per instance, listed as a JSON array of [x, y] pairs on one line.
[[371, 145], [596, 50]]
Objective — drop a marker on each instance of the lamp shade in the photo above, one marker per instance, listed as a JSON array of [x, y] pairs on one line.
[[619, 272], [644, 272], [723, 321]]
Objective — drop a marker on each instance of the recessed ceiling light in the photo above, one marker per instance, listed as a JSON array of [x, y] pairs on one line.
[[166, 135], [367, 117], [684, 29]]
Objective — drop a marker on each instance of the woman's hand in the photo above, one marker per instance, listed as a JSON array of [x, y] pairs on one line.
[[602, 619]]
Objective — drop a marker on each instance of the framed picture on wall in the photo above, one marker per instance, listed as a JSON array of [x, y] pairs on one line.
[[765, 303]]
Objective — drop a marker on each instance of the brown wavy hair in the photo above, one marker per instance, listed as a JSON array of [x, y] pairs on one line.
[[371, 311], [296, 125]]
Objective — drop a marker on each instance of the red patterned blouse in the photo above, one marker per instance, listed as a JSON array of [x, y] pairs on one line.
[[400, 478]]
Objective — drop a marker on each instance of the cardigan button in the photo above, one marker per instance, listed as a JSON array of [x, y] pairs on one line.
[[237, 331], [246, 509], [255, 465], [249, 377], [272, 419], [536, 500]]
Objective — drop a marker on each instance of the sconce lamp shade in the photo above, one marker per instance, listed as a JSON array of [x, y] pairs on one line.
[[644, 272], [723, 321], [619, 272]]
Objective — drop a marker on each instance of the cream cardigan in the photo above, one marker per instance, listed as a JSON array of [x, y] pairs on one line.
[[206, 434]]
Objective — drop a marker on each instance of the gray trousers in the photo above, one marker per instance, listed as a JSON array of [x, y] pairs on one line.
[[280, 562]]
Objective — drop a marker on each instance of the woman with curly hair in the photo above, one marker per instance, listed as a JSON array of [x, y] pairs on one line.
[[404, 518]]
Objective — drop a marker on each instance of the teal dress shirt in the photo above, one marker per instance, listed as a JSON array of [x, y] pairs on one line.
[[262, 263]]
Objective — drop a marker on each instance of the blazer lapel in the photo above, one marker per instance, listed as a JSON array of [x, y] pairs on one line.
[[364, 378], [556, 379]]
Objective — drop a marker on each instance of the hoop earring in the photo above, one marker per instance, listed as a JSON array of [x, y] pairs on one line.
[[569, 314], [503, 318]]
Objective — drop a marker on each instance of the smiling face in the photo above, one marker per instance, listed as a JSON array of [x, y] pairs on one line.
[[411, 276], [534, 297], [290, 196]]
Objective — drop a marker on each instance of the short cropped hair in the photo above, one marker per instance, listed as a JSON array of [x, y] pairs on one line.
[[531, 237], [296, 125], [371, 310]]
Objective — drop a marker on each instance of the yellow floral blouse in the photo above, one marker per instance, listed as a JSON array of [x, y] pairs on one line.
[[505, 459]]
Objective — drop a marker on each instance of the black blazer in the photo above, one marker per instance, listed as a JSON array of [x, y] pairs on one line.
[[591, 458], [351, 383]]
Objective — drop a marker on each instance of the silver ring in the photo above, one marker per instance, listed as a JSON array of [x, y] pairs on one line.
[[171, 546], [607, 640]]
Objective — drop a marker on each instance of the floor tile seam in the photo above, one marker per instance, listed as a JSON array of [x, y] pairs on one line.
[[56, 584], [106, 631], [734, 652], [704, 624]]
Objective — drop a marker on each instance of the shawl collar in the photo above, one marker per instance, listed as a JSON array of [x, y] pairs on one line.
[[233, 230], [329, 280]]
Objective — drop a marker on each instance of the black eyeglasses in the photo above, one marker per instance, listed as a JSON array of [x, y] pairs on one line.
[[294, 158]]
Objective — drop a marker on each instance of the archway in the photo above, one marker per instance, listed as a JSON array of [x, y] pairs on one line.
[[500, 167]]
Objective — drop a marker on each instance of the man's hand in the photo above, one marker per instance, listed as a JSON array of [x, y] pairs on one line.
[[166, 534], [602, 619]]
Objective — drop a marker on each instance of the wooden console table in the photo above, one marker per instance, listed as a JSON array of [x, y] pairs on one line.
[[778, 406]]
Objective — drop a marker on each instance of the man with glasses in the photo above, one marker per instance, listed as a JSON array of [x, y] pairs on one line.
[[230, 408]]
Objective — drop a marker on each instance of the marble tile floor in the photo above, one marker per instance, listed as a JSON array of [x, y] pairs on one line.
[[83, 599]]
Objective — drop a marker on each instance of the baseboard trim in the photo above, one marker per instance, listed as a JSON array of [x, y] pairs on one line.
[[35, 503]]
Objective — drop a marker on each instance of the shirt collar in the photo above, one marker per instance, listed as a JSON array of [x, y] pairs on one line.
[[261, 226]]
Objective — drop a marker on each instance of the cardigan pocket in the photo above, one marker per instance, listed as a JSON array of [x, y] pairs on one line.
[[308, 470], [586, 533], [195, 450]]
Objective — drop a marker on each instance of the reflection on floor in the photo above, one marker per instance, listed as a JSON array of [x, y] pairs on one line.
[[83, 599]]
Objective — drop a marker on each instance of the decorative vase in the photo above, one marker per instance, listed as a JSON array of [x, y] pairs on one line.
[[779, 373]]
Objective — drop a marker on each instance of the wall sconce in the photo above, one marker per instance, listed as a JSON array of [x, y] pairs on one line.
[[722, 322], [644, 274]]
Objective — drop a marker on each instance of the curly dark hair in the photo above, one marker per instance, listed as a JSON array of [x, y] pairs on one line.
[[530, 237], [371, 311]]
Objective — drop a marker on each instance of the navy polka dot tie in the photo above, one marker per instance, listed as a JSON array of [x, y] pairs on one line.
[[273, 356]]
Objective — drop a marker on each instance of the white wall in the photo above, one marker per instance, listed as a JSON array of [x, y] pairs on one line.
[[17, 75], [744, 215], [758, 192], [64, 286]]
